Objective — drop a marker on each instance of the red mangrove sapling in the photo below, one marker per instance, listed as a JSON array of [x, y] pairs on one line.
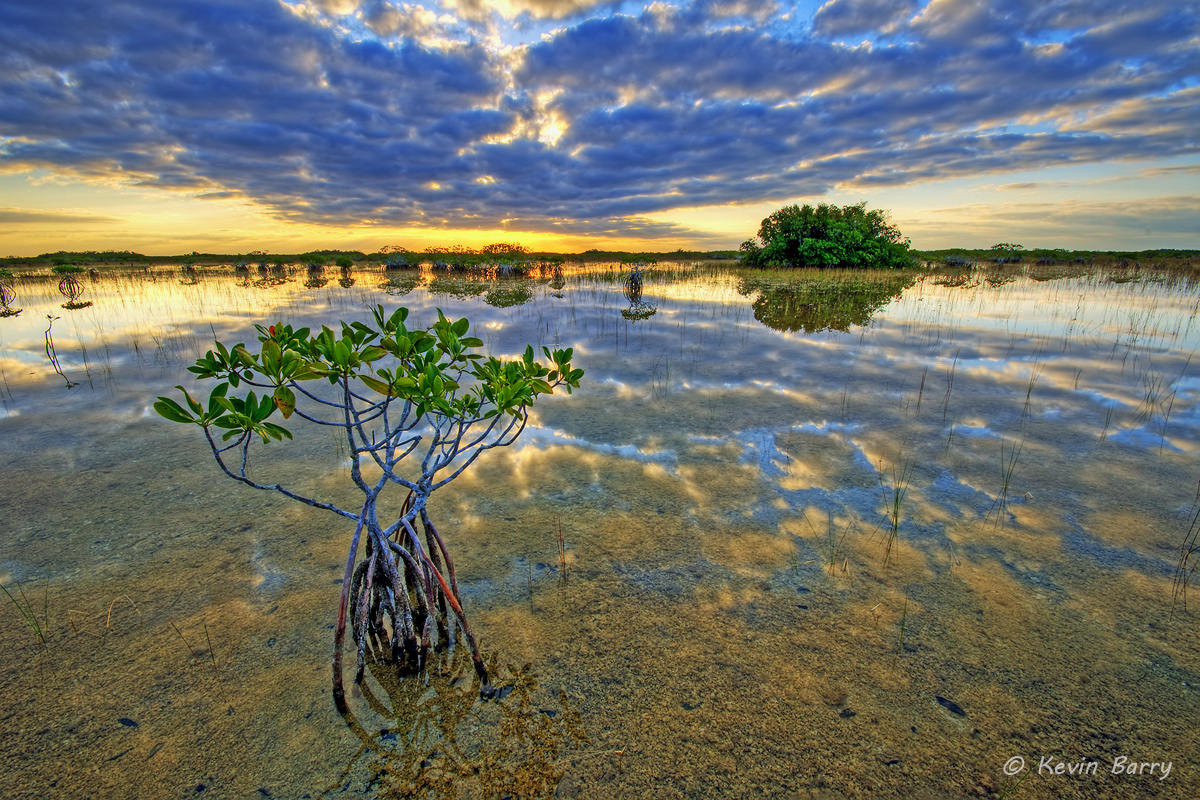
[[424, 399]]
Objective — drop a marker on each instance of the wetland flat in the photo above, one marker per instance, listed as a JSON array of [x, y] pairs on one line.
[[824, 535]]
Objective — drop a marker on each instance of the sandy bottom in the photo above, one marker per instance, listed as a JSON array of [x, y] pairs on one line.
[[708, 652]]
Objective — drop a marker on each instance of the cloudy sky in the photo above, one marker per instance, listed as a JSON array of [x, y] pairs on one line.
[[230, 125]]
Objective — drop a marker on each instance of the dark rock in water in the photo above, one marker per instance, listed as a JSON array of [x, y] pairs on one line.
[[803, 590], [951, 706], [846, 713], [127, 722]]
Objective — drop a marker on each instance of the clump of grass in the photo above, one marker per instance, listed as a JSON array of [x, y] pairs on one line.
[[921, 390], [1008, 469], [40, 628], [831, 544], [893, 498], [1034, 374], [949, 387], [212, 663]]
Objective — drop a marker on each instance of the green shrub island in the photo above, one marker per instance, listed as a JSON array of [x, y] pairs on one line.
[[827, 236], [415, 408]]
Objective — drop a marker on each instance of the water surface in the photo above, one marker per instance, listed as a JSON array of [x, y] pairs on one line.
[[748, 609]]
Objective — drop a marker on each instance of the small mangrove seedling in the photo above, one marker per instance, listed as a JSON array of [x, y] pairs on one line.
[[397, 396], [69, 285], [8, 295], [633, 282]]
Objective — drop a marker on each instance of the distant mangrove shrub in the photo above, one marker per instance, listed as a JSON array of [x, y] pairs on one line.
[[827, 236]]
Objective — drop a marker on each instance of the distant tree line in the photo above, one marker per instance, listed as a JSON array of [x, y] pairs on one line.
[[1008, 253]]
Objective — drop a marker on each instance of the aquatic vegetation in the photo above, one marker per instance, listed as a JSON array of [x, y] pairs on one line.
[[903, 627], [436, 399], [52, 354], [949, 388], [1008, 469], [832, 544], [29, 615], [69, 286], [638, 309], [8, 295], [211, 662], [893, 498], [1158, 400], [562, 554]]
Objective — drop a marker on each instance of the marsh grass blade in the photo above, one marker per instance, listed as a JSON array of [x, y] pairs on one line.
[[893, 498], [1189, 558], [1008, 470], [21, 602]]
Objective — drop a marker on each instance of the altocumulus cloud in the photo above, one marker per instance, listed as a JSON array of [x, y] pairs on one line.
[[340, 112]]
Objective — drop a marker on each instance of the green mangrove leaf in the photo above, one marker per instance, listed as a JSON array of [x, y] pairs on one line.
[[377, 385], [196, 408], [277, 432], [169, 409], [272, 357], [214, 408], [373, 353]]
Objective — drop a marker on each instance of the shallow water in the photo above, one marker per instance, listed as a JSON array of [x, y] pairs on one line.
[[747, 610]]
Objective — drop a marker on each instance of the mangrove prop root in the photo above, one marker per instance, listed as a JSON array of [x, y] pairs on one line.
[[396, 600]]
